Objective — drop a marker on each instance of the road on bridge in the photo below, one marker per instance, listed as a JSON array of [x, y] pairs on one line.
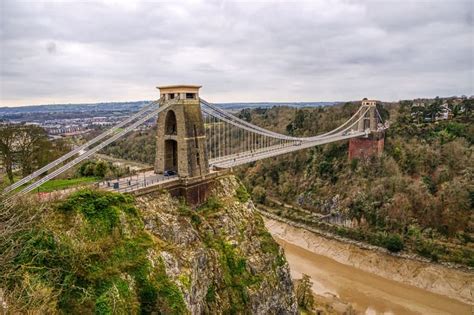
[[134, 182]]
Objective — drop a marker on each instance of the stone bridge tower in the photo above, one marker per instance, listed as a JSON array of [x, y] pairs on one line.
[[373, 143], [181, 140], [370, 119]]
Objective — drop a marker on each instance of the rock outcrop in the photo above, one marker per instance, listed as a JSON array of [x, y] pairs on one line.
[[220, 255], [103, 253]]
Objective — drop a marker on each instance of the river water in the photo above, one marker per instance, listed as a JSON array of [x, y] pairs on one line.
[[368, 293]]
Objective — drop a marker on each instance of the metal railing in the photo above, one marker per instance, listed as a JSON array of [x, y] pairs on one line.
[[80, 148]]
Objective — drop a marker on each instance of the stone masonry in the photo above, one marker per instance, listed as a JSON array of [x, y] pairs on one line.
[[181, 140]]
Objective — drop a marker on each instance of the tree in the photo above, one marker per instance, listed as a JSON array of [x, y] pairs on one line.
[[31, 144], [468, 106], [404, 112], [245, 114], [399, 211], [456, 205], [25, 145], [418, 113], [259, 194], [304, 294], [101, 169], [87, 169], [394, 243], [435, 108], [7, 150]]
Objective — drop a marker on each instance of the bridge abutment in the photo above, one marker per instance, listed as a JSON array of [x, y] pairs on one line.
[[194, 190], [366, 147]]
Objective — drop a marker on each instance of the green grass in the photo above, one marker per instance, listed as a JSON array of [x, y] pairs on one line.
[[58, 184], [53, 184], [5, 182]]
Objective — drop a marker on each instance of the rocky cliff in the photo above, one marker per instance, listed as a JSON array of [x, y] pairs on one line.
[[98, 252]]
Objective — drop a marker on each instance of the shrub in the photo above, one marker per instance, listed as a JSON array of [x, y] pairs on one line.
[[259, 194], [101, 169], [304, 295], [428, 249], [211, 294], [212, 204], [241, 194], [393, 242]]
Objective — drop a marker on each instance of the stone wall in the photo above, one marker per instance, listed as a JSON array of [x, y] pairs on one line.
[[194, 190]]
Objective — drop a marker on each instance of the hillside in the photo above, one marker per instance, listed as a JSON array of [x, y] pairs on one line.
[[418, 196], [104, 253]]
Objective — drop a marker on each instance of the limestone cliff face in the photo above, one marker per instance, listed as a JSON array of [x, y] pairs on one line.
[[220, 255]]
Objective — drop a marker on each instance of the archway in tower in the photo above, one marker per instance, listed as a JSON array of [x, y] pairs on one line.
[[171, 155], [170, 123]]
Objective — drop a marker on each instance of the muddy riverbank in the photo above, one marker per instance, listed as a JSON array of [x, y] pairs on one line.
[[374, 282]]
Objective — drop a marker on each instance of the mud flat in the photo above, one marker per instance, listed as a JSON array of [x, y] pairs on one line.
[[374, 282]]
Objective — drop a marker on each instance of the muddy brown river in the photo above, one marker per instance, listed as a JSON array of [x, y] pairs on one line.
[[368, 293]]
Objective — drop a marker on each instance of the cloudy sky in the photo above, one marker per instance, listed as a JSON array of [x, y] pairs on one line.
[[321, 50]]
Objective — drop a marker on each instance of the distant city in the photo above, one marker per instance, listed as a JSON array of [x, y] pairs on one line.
[[73, 119]]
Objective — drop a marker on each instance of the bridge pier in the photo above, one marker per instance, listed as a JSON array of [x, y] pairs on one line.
[[366, 147]]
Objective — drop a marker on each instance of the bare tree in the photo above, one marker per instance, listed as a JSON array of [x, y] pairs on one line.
[[23, 144], [7, 152], [31, 144]]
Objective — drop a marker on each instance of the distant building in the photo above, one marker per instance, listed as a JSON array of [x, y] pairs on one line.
[[446, 112]]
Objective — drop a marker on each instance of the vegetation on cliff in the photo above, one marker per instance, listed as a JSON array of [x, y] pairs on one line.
[[417, 196], [304, 293], [103, 253], [88, 254]]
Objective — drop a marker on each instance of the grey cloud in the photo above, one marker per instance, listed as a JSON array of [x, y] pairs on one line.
[[239, 51], [51, 47]]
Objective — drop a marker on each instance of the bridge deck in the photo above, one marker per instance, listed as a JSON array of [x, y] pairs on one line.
[[251, 156]]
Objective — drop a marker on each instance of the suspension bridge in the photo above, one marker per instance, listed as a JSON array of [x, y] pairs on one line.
[[195, 138]]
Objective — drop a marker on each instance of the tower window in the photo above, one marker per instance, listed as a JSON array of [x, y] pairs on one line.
[[190, 95]]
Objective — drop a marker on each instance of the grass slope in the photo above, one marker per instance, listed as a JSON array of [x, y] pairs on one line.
[[91, 254]]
